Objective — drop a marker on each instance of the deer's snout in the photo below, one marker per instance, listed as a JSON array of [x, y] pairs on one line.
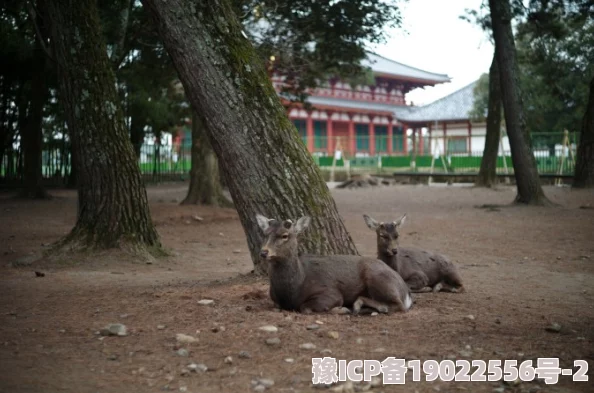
[[264, 253], [394, 251]]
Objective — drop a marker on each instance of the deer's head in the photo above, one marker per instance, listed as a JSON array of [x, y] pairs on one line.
[[281, 237], [387, 234]]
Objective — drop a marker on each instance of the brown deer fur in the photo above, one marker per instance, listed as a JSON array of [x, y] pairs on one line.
[[326, 283], [423, 271]]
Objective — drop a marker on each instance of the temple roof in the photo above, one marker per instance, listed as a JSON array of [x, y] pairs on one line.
[[456, 106], [382, 65]]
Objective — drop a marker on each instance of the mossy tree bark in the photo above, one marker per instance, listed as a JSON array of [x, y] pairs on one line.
[[264, 162], [487, 176], [584, 166], [525, 170], [205, 185], [113, 209]]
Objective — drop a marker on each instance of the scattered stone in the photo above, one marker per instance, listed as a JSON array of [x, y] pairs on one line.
[[313, 327], [268, 329], [376, 381], [266, 382], [200, 367], [500, 389], [205, 302], [470, 317], [326, 351], [515, 382], [236, 251], [184, 338], [198, 218], [183, 388], [333, 335], [113, 356], [373, 314], [553, 328], [581, 338], [319, 322], [273, 341], [184, 372], [346, 387], [359, 340], [259, 388], [379, 350], [161, 327], [468, 347], [114, 329], [465, 354], [245, 355], [340, 311], [62, 331], [307, 346], [218, 329], [228, 360], [289, 360], [182, 352]]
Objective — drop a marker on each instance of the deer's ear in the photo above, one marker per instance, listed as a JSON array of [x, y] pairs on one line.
[[398, 223], [371, 223], [263, 222], [302, 224]]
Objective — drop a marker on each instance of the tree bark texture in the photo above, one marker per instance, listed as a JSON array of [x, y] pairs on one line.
[[113, 209], [32, 132], [265, 164], [525, 170], [487, 176], [205, 186], [584, 166]]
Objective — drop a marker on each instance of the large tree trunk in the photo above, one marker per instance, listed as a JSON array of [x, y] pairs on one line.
[[264, 162], [32, 134], [113, 209], [487, 176], [205, 186], [525, 170], [584, 166]]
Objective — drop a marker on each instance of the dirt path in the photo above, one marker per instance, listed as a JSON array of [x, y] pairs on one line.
[[525, 268]]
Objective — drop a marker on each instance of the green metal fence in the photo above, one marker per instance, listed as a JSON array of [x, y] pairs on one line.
[[382, 155]]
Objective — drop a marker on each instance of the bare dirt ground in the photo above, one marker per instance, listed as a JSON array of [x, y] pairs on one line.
[[525, 268]]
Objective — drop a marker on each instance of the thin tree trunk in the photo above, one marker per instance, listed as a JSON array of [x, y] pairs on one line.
[[487, 176], [205, 186], [525, 170], [266, 166], [584, 166], [32, 134], [136, 136], [113, 209]]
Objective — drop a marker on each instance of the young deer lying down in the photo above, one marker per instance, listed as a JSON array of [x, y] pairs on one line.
[[326, 283], [422, 270]]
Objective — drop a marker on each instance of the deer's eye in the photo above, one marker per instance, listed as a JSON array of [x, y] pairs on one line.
[[285, 236]]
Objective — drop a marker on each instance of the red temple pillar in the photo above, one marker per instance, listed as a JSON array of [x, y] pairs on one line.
[[371, 136], [352, 139], [445, 137], [404, 139], [421, 142], [309, 132], [390, 136], [430, 140], [329, 134]]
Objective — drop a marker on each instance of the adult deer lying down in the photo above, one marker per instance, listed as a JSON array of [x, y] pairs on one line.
[[326, 283], [422, 270]]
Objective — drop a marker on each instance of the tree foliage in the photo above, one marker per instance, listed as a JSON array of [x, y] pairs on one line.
[[308, 41], [555, 47]]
